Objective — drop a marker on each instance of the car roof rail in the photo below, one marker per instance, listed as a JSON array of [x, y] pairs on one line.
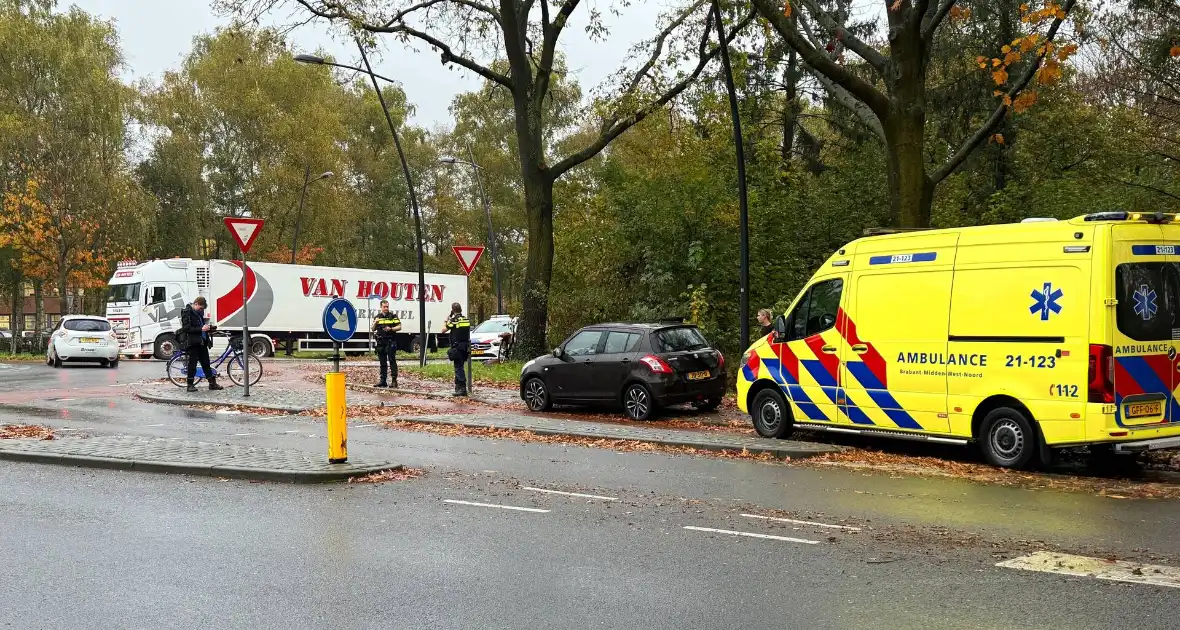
[[881, 231]]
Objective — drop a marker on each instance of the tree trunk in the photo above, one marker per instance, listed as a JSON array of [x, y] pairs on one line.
[[18, 309], [63, 289], [534, 318], [911, 191], [792, 107], [38, 308]]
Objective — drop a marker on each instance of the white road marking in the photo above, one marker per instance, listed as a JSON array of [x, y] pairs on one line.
[[154, 425], [64, 400], [242, 434], [493, 505], [572, 494], [796, 522], [364, 426], [227, 411], [81, 429], [296, 431], [751, 535], [1082, 566]]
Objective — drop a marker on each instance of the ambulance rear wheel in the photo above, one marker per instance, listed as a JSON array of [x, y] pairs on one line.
[[1008, 439], [771, 416]]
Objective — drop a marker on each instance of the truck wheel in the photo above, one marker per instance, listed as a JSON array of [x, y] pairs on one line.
[[165, 346], [771, 416], [1007, 438], [261, 348]]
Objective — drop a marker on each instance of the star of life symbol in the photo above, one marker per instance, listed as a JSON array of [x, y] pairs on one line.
[[1045, 301], [1145, 305]]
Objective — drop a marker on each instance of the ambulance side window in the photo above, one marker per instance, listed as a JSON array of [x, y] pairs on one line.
[[816, 311]]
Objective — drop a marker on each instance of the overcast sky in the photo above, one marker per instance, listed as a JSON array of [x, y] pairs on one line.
[[157, 34]]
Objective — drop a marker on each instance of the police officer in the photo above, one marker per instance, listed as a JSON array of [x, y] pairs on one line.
[[460, 332], [384, 326], [194, 336]]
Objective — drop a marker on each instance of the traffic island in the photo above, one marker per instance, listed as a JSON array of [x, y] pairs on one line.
[[189, 458], [704, 440]]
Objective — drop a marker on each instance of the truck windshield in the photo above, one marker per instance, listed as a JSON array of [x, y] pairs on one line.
[[1148, 300], [123, 293]]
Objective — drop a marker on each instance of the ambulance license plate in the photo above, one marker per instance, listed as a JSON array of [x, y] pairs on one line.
[[1144, 410], [90, 340], [698, 376]]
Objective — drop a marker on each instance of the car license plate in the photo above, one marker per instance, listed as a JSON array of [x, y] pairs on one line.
[[698, 376], [90, 340], [1144, 410]]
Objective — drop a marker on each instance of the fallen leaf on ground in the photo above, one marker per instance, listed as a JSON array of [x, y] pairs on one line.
[[382, 476], [26, 431]]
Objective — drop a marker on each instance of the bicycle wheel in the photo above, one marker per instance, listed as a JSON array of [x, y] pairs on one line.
[[178, 370], [235, 368]]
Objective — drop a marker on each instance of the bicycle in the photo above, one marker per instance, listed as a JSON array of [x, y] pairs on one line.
[[178, 365]]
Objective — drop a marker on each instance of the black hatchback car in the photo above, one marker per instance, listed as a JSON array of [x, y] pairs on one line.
[[640, 367]]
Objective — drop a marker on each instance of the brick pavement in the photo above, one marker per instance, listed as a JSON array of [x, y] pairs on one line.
[[189, 458]]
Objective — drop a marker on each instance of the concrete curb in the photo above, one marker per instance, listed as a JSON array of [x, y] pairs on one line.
[[166, 400], [785, 451], [180, 468]]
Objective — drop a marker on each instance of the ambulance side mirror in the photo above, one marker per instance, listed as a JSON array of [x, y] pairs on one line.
[[780, 329]]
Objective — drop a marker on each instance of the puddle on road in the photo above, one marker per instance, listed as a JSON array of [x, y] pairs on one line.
[[26, 410]]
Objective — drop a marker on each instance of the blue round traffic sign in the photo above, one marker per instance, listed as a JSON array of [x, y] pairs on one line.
[[339, 320]]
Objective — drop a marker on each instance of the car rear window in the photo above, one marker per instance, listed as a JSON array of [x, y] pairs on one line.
[[682, 339], [86, 325], [1148, 297]]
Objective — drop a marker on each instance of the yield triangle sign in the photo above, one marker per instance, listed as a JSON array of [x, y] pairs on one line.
[[468, 256], [244, 231]]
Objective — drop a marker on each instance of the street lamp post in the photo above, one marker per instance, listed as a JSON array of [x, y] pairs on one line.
[[487, 211], [313, 59], [302, 196]]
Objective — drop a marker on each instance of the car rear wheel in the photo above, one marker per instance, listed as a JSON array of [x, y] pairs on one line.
[[638, 403], [114, 363], [56, 360], [770, 415], [1008, 439], [536, 395]]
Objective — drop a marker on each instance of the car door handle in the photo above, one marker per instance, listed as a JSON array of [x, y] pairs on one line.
[[829, 349], [860, 348]]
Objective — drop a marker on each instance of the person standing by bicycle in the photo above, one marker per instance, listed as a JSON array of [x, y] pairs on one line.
[[194, 336], [385, 326]]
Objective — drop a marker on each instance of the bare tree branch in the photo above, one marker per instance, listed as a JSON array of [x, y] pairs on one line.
[[551, 32], [617, 127], [997, 117], [335, 11], [874, 58], [861, 89], [850, 102], [930, 22]]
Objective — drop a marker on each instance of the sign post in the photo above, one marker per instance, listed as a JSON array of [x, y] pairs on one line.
[[340, 322], [468, 256], [244, 231]]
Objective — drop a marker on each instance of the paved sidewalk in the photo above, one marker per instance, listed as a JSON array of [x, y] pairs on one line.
[[708, 440], [289, 399], [188, 458]]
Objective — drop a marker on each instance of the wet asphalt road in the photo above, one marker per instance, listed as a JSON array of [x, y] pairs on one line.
[[140, 550]]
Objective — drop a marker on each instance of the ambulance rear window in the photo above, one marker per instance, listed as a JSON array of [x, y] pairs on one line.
[[1149, 300]]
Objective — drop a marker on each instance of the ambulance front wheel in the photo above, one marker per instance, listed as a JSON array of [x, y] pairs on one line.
[[1008, 439], [771, 416]]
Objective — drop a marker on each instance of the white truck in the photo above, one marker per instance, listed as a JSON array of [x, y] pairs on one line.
[[285, 302]]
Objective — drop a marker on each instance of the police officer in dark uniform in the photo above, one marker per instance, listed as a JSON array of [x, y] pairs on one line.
[[384, 326], [460, 332], [194, 337]]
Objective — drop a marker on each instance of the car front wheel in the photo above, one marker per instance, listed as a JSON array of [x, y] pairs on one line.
[[770, 415], [638, 402], [536, 395]]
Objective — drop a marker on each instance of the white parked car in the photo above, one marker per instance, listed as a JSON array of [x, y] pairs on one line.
[[492, 336], [82, 339]]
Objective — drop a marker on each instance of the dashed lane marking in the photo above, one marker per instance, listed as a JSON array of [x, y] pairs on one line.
[[732, 532], [1098, 568], [79, 429], [243, 434], [572, 494], [493, 505], [364, 426], [154, 425], [797, 522]]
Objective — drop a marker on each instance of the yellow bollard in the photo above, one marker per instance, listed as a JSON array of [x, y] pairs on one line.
[[337, 419]]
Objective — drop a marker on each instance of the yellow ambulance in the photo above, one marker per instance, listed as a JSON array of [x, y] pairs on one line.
[[1021, 338]]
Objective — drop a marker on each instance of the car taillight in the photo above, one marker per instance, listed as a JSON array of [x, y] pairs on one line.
[[657, 365], [1101, 374], [720, 359]]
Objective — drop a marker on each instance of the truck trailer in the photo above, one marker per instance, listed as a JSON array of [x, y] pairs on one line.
[[284, 302]]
